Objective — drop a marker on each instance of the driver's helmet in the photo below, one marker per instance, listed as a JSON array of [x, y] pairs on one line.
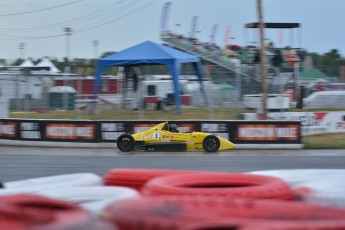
[[173, 128]]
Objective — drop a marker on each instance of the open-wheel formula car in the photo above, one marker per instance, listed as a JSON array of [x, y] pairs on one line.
[[166, 137]]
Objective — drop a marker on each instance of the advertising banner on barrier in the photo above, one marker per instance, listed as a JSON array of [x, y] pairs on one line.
[[312, 122], [8, 129], [111, 130], [216, 128], [30, 130], [83, 131], [267, 132], [239, 132]]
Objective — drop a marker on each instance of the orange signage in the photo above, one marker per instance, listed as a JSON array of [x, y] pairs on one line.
[[70, 131], [268, 132], [8, 129]]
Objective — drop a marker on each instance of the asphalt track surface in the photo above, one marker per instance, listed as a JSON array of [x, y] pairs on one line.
[[17, 163]]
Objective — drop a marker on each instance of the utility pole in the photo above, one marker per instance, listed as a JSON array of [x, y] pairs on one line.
[[262, 61], [95, 50], [68, 33]]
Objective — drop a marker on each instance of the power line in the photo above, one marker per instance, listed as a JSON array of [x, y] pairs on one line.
[[15, 37], [34, 11], [110, 7], [116, 19], [87, 28]]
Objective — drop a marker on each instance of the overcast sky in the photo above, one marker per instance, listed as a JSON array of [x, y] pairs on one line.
[[119, 24]]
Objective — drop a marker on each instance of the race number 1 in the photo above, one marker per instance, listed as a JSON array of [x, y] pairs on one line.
[[156, 135]]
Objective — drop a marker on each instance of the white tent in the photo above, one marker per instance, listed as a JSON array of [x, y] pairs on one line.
[[27, 63], [45, 62]]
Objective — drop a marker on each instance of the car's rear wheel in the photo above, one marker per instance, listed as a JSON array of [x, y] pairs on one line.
[[125, 142], [211, 143]]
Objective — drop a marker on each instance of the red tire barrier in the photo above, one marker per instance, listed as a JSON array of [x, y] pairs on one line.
[[266, 225], [223, 225], [220, 184], [136, 178], [19, 212], [180, 212]]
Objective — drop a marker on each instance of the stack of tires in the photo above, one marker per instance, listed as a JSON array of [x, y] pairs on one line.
[[61, 202], [149, 199], [34, 212], [206, 200]]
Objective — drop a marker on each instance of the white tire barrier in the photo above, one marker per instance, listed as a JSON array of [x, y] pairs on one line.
[[327, 191], [76, 179], [320, 186], [92, 198], [297, 177], [45, 183]]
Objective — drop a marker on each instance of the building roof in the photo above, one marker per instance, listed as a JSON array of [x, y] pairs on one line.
[[271, 25]]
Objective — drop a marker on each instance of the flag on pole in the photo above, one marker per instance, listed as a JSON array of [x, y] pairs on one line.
[[213, 33], [281, 37], [165, 16], [194, 26], [227, 35]]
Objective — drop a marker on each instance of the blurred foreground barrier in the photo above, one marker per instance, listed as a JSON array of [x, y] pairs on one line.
[[137, 178], [147, 199], [189, 182], [184, 212], [91, 198], [236, 185], [74, 179], [24, 212], [321, 186], [34, 185]]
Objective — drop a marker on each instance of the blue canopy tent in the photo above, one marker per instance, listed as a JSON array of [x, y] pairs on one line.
[[151, 53]]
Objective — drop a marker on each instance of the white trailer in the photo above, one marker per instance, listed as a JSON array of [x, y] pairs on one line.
[[274, 101]]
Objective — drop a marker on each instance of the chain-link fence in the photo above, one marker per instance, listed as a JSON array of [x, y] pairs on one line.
[[224, 87]]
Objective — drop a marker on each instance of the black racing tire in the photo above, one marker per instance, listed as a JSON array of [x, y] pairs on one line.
[[211, 144], [125, 142]]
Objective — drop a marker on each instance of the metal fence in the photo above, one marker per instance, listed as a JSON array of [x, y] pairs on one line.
[[227, 88]]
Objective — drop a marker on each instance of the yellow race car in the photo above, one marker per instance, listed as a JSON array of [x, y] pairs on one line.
[[166, 137]]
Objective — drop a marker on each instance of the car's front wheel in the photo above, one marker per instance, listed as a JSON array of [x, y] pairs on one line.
[[211, 143], [125, 142]]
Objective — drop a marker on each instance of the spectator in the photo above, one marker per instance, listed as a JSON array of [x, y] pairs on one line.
[[277, 58], [257, 57], [277, 61], [290, 56]]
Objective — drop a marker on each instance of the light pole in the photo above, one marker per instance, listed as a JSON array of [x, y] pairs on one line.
[[21, 50]]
